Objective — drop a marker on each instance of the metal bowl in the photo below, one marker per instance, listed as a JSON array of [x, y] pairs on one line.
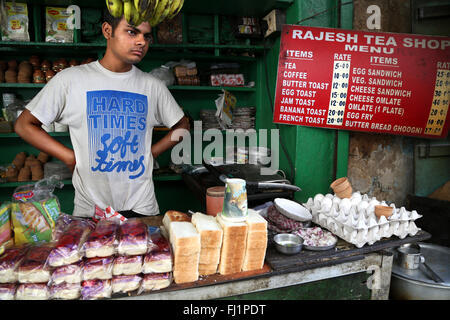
[[288, 243]]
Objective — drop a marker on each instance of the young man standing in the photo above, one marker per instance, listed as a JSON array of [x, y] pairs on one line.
[[110, 107]]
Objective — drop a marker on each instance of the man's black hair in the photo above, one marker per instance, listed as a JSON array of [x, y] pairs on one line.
[[112, 21]]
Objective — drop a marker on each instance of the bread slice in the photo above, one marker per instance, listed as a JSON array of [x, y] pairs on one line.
[[183, 276], [209, 256], [211, 232], [174, 216], [256, 244], [233, 245], [207, 269]]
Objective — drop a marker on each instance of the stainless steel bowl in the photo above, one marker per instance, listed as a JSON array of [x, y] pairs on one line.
[[288, 243]]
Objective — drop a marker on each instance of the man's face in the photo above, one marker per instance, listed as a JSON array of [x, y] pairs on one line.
[[130, 44]]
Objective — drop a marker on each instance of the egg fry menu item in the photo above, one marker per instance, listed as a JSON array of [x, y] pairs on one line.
[[363, 81]]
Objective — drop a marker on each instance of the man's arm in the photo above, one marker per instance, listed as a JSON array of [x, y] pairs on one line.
[[166, 142], [28, 127]]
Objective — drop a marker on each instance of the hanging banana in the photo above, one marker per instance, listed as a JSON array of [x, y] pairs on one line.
[[162, 4], [175, 9], [115, 7], [130, 13], [151, 9], [165, 13]]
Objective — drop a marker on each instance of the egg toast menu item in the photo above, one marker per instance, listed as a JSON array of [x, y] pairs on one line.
[[102, 241], [9, 263], [34, 268], [68, 249], [133, 237]]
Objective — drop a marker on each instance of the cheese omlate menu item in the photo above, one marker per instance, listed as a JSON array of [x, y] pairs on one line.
[[363, 81]]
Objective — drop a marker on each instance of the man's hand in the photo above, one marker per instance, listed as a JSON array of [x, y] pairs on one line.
[[28, 127], [166, 142]]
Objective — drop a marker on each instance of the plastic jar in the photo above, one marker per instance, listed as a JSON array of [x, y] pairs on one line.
[[214, 200]]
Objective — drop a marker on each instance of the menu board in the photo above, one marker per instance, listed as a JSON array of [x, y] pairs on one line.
[[363, 81]]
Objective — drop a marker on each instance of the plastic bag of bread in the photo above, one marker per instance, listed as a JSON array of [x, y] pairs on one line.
[[96, 289], [102, 241], [155, 281], [32, 291], [7, 291], [71, 273], [65, 291], [35, 210], [159, 259], [98, 268], [69, 247], [127, 265], [133, 237], [34, 268], [9, 263], [126, 283]]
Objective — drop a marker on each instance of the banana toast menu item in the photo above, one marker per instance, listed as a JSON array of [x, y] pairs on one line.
[[96, 289], [133, 237], [126, 283], [127, 265], [68, 249], [98, 268], [34, 268], [71, 273], [9, 263], [102, 241]]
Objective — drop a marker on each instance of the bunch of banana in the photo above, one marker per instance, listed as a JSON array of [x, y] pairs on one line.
[[137, 11]]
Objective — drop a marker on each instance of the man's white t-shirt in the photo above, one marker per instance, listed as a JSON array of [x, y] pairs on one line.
[[110, 118]]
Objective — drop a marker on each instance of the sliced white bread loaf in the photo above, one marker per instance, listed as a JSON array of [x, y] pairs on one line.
[[211, 232], [185, 241], [207, 269], [174, 216], [233, 245], [256, 243]]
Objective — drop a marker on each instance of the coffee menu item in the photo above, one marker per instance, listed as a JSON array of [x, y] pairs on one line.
[[364, 81]]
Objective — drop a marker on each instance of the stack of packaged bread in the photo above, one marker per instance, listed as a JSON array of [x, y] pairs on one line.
[[205, 245]]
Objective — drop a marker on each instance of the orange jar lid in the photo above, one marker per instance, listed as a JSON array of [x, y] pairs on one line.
[[218, 191]]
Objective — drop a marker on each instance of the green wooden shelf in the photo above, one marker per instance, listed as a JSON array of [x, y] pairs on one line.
[[176, 87], [53, 134]]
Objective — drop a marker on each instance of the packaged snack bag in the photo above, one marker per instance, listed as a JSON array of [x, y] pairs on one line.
[[15, 25], [5, 225], [56, 25]]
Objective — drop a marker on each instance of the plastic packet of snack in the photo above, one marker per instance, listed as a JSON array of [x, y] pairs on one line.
[[126, 283], [127, 265], [98, 268], [108, 214], [7, 291], [9, 263], [34, 268], [32, 291], [155, 281], [14, 26], [133, 237], [103, 240], [5, 225], [69, 247], [57, 26], [65, 291], [96, 289], [71, 273], [35, 210]]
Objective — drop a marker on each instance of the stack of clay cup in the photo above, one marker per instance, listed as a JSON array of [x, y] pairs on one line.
[[3, 67], [342, 188], [381, 210], [25, 72], [25, 168], [11, 72]]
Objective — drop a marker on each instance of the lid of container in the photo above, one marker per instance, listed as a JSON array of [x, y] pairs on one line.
[[436, 257], [218, 191]]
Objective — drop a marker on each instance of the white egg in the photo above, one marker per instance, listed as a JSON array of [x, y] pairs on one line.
[[318, 199], [345, 204], [362, 205], [326, 204], [329, 195]]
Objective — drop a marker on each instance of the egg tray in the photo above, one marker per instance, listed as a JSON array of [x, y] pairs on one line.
[[353, 219]]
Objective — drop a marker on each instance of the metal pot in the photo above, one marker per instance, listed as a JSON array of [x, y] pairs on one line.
[[418, 283]]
